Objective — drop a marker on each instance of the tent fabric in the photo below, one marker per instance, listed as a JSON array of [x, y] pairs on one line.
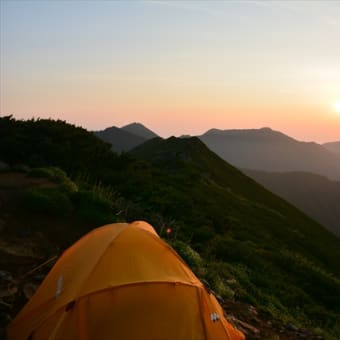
[[121, 281]]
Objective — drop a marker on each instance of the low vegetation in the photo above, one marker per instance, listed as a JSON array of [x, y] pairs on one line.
[[248, 244]]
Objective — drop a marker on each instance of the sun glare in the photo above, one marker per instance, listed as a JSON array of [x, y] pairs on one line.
[[337, 107]]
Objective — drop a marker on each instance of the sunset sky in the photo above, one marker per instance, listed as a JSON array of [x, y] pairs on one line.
[[179, 67]]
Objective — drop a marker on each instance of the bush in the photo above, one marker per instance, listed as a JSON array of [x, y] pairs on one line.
[[93, 208], [56, 175], [189, 255], [48, 200]]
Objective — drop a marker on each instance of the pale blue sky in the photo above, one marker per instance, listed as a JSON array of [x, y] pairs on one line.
[[177, 66]]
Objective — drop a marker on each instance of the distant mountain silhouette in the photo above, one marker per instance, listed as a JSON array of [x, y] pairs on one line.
[[126, 137], [269, 150], [120, 140], [139, 130], [333, 146], [315, 195]]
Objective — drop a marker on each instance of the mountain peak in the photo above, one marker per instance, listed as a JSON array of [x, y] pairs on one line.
[[139, 130], [170, 144], [134, 124], [266, 129]]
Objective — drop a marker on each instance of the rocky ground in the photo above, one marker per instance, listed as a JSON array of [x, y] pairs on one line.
[[256, 325]]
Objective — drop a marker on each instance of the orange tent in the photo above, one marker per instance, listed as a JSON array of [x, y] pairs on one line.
[[121, 282]]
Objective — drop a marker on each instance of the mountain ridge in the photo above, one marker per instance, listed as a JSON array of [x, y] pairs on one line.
[[250, 245], [316, 195], [265, 131], [269, 150], [261, 149]]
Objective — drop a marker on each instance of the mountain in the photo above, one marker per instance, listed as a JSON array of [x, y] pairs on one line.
[[316, 195], [333, 146], [249, 245], [121, 140], [272, 151], [126, 137], [199, 173], [139, 130]]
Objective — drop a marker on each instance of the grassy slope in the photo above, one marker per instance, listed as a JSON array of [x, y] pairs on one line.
[[289, 262], [254, 246], [316, 195], [195, 171]]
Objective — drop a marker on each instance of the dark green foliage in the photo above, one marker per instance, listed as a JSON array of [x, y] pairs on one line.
[[44, 142], [93, 204], [252, 229], [48, 201], [248, 243], [94, 208], [56, 175], [190, 256]]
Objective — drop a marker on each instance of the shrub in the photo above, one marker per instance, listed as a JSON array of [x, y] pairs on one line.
[[48, 200], [93, 207], [56, 175], [189, 255]]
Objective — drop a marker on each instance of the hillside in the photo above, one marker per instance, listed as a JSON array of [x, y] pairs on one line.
[[271, 151], [316, 195], [249, 245], [139, 129], [120, 139], [240, 222], [333, 146], [29, 252]]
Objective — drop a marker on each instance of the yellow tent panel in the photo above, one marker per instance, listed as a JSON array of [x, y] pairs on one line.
[[121, 282]]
